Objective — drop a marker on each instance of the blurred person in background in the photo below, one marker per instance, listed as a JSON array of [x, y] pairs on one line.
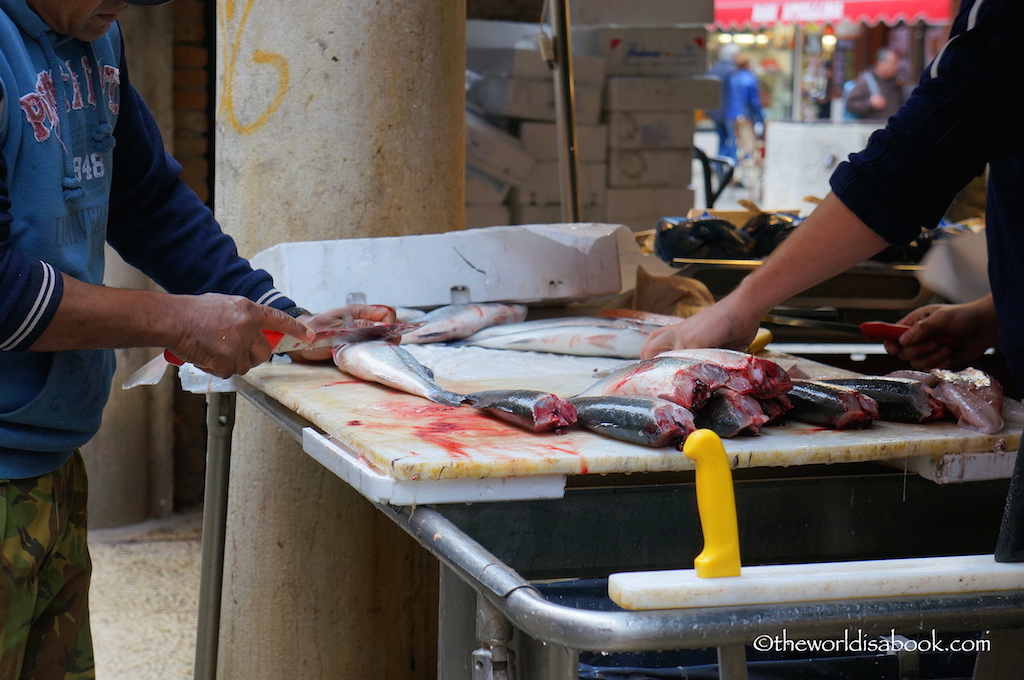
[[878, 91], [722, 70]]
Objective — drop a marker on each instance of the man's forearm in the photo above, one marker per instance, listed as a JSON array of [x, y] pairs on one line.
[[830, 241], [99, 317]]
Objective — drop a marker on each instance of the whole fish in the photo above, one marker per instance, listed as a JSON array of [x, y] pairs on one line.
[[586, 336], [648, 421], [452, 322], [748, 374], [903, 400], [388, 364], [640, 315], [832, 406], [533, 410], [682, 381], [729, 414], [560, 322]]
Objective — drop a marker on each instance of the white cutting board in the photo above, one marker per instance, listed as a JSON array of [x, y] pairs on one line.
[[410, 438], [774, 584]]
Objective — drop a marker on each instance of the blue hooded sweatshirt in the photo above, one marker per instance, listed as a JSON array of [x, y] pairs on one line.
[[83, 163]]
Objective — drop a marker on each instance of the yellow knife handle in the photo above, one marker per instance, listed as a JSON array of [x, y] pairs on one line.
[[760, 341], [716, 505]]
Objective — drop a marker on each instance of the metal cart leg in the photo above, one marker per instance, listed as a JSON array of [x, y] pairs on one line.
[[1004, 658], [456, 626], [220, 419], [537, 660], [732, 662], [493, 660]]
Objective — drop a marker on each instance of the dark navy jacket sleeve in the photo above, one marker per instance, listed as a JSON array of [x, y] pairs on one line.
[[158, 224], [958, 119]]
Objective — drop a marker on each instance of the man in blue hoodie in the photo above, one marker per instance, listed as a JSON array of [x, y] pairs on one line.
[[82, 164]]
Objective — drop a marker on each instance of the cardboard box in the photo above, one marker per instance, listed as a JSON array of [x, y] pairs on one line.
[[641, 208], [549, 262], [484, 190], [507, 62], [647, 12], [678, 51], [543, 185], [478, 216], [654, 130], [532, 99], [641, 168], [541, 141], [662, 94], [494, 151]]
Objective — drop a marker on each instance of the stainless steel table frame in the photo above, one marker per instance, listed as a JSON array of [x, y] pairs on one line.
[[603, 525]]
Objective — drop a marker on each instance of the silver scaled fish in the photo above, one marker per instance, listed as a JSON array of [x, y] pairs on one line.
[[388, 364]]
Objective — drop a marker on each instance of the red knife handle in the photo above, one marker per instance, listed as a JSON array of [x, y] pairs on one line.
[[878, 330], [273, 338]]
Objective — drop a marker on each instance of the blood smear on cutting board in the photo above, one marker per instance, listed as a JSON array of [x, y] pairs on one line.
[[461, 430]]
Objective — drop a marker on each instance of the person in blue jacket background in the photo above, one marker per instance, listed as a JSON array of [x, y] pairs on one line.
[[82, 164], [744, 99]]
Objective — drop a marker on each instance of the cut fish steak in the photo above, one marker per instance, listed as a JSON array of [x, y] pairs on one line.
[[533, 410], [685, 382]]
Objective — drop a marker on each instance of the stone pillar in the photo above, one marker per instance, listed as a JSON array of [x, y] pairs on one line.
[[130, 461], [336, 119]]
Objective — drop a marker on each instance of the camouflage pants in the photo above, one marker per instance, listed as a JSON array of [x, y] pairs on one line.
[[44, 577]]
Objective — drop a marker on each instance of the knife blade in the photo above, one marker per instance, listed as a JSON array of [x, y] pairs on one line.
[[333, 337], [871, 331]]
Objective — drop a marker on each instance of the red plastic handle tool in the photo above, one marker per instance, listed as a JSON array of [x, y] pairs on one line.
[[273, 337], [874, 331]]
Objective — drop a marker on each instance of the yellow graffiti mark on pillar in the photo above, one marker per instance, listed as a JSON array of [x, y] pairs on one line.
[[233, 45]]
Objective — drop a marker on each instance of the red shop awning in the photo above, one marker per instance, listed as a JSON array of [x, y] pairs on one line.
[[741, 13]]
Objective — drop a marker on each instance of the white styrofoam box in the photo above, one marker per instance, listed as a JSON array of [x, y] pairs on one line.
[[539, 214], [494, 151], [651, 130], [799, 158], [641, 208], [532, 99], [647, 12], [526, 263], [507, 62], [638, 168], [482, 189], [543, 185], [541, 141], [487, 216], [647, 50], [637, 93]]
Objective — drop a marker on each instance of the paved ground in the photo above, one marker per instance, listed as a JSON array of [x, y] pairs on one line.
[[144, 598]]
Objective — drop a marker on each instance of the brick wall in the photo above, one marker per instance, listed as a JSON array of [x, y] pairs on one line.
[[192, 82]]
